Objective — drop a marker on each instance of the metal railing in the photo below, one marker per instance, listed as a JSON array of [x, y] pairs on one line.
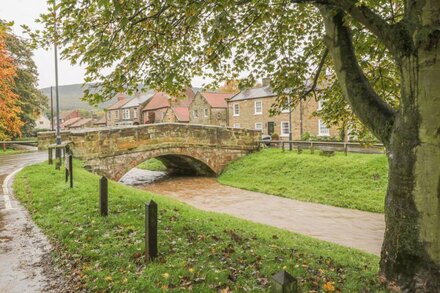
[[345, 147]]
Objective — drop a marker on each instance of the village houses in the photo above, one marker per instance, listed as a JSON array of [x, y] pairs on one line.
[[131, 111], [114, 115], [209, 108], [250, 109]]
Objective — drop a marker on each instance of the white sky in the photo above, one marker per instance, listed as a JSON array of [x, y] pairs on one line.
[[25, 12]]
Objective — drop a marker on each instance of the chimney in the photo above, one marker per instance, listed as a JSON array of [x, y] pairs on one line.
[[265, 81], [121, 97]]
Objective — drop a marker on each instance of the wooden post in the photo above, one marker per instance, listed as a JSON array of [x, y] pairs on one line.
[[312, 149], [50, 153], [150, 231], [282, 145], [345, 148], [103, 196], [283, 282], [70, 163], [4, 147]]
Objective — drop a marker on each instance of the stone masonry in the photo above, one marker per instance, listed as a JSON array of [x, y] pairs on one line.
[[184, 148]]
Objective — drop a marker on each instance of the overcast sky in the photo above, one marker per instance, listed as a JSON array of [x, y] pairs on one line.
[[25, 12]]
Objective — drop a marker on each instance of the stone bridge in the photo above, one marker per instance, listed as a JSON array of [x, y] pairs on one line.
[[183, 148]]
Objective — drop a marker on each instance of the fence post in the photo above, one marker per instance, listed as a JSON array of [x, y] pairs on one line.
[[312, 149], [103, 196], [150, 231], [50, 153], [345, 148], [282, 145], [4, 147], [71, 169]]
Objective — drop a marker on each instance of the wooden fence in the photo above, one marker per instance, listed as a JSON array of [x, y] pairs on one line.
[[345, 147]]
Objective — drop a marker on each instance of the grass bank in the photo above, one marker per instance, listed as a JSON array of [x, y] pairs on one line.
[[202, 251], [152, 165], [356, 181]]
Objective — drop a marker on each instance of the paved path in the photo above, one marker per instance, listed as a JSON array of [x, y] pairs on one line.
[[22, 245], [353, 228]]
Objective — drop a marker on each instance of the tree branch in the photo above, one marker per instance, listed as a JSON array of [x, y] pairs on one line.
[[395, 37], [377, 115], [317, 73]]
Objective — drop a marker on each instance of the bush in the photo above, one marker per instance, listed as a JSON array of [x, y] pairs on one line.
[[275, 136]]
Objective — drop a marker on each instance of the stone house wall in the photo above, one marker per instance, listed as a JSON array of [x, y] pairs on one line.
[[201, 112], [248, 118]]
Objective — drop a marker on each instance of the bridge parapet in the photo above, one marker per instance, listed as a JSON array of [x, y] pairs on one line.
[[114, 151]]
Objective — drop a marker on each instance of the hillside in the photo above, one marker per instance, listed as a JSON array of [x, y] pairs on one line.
[[70, 98]]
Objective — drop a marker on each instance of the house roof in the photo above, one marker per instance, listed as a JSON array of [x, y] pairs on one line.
[[122, 100], [182, 113], [81, 122], [71, 121], [139, 100], [217, 100], [254, 93], [65, 114], [158, 101]]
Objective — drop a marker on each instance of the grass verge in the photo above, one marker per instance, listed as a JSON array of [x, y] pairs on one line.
[[202, 251], [152, 165], [356, 181]]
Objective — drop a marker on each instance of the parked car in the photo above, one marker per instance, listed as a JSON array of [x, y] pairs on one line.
[[266, 139]]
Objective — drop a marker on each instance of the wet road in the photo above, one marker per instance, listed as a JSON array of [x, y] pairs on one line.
[[22, 245], [352, 228]]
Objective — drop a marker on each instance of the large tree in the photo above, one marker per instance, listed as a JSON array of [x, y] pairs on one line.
[[380, 55], [10, 123]]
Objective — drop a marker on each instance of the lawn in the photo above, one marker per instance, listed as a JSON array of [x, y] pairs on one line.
[[202, 251], [152, 165], [11, 152], [356, 181]]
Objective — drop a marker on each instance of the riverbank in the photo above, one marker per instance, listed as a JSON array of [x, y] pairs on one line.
[[198, 250], [355, 181]]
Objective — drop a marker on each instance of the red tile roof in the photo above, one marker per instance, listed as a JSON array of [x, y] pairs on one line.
[[69, 122], [158, 101], [81, 122], [217, 100], [182, 113], [118, 104]]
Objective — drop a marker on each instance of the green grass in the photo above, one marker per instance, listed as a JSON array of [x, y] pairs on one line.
[[11, 152], [204, 251], [152, 165], [356, 181]]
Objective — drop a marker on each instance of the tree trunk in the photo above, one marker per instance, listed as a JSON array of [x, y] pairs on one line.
[[410, 259], [410, 256]]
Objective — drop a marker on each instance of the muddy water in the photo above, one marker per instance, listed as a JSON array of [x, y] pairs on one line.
[[352, 228]]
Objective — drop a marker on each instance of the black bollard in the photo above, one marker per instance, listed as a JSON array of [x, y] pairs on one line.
[[103, 196], [150, 231]]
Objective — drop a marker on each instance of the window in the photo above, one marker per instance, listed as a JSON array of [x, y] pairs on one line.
[[320, 103], [135, 113], [41, 122], [236, 125], [109, 115], [206, 112], [323, 129], [285, 128], [259, 126], [236, 109], [126, 113], [258, 107], [117, 114], [196, 114]]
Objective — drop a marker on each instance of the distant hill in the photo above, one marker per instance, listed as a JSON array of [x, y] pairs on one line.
[[70, 98]]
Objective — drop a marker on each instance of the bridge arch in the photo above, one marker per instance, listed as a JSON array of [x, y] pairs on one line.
[[186, 148]]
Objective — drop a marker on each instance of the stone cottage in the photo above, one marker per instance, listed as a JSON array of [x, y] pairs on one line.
[[250, 109], [209, 108]]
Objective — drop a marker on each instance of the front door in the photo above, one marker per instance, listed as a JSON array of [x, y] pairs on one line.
[[270, 127]]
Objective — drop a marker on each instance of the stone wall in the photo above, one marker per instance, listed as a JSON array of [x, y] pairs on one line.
[[47, 138], [183, 147], [215, 116], [248, 118]]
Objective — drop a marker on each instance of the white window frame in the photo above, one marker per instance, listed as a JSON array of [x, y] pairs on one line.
[[320, 102], [134, 113], [236, 109], [126, 114], [206, 112], [282, 128], [261, 107], [260, 126], [323, 130], [117, 115], [236, 125], [109, 115]]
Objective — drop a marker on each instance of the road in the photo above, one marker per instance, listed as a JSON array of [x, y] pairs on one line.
[[24, 261]]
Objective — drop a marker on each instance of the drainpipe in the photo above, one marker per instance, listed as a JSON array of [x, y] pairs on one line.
[[290, 123]]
